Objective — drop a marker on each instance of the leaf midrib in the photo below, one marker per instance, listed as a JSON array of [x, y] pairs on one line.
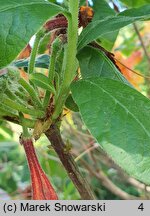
[[98, 22]]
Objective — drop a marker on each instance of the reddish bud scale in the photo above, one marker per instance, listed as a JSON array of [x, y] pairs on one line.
[[41, 187], [58, 22], [85, 17]]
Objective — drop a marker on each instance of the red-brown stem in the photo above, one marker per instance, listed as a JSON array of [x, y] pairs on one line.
[[41, 187], [87, 3], [53, 135]]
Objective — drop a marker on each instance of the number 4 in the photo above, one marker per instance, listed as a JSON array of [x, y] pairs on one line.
[[141, 207]]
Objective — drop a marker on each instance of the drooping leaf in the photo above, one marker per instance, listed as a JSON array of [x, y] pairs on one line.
[[93, 63], [108, 25], [118, 117], [82, 2], [101, 11], [19, 20], [42, 81]]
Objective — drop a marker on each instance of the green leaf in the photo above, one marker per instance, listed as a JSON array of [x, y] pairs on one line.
[[101, 28], [19, 20], [43, 43], [70, 104], [135, 3], [9, 86], [41, 61], [118, 117], [7, 130], [101, 11], [82, 2], [33, 94], [94, 63], [108, 40], [42, 81]]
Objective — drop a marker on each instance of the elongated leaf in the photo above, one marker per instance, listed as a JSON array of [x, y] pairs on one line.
[[93, 63], [27, 87], [19, 20], [42, 81], [118, 117], [41, 61], [101, 11], [110, 24], [135, 3]]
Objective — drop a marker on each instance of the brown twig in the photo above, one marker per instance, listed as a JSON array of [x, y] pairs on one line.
[[104, 158], [115, 7], [133, 71], [142, 43], [87, 3], [88, 150], [53, 135], [138, 184], [147, 81], [107, 183]]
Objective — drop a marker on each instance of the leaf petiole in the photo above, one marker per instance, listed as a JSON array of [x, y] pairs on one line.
[[20, 108], [38, 37]]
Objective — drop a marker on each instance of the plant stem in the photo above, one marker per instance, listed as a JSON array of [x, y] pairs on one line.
[[70, 64], [54, 50], [142, 42], [25, 132], [39, 35], [27, 122], [53, 134], [107, 183], [72, 43], [87, 4], [147, 81], [57, 83], [51, 71]]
